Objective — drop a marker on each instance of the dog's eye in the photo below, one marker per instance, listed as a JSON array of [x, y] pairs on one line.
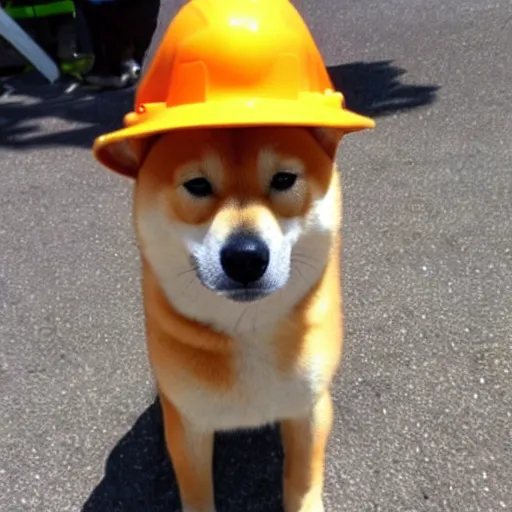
[[199, 187], [283, 181]]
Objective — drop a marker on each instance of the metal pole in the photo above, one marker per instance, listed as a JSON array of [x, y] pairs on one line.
[[18, 38]]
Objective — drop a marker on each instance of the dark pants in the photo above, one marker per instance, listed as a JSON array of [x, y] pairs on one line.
[[120, 30]]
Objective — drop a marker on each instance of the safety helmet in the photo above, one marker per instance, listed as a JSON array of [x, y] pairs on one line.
[[231, 63]]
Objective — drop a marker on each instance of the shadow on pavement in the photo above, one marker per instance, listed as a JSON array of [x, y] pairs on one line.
[[374, 88], [370, 88], [139, 477], [41, 115], [24, 124]]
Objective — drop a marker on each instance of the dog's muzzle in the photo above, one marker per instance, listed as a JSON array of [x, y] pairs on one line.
[[243, 268], [244, 258]]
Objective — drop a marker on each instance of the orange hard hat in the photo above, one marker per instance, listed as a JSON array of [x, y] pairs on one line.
[[231, 63]]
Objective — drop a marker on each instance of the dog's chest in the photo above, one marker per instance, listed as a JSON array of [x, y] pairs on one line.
[[262, 392]]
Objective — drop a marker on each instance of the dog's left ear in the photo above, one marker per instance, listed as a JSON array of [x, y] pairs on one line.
[[328, 138]]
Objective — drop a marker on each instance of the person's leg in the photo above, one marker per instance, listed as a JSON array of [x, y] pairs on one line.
[[106, 20], [133, 23], [146, 11], [85, 43], [93, 14], [122, 31], [114, 35]]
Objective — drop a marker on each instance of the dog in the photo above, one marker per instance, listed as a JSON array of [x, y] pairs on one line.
[[239, 237]]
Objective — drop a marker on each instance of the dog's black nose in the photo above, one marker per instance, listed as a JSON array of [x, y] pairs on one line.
[[244, 258]]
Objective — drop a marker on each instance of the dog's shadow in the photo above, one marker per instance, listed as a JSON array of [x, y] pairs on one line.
[[139, 477]]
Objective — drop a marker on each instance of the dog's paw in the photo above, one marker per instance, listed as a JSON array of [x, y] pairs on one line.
[[316, 506], [310, 503]]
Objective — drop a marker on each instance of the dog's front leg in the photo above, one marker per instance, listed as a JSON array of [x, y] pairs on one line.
[[191, 453], [304, 442]]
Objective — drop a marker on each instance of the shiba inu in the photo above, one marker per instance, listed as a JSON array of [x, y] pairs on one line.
[[239, 233], [237, 212]]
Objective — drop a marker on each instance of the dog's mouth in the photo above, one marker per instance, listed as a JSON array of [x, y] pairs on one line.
[[238, 293], [245, 294]]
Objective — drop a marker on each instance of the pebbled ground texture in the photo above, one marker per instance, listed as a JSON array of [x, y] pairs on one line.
[[424, 397]]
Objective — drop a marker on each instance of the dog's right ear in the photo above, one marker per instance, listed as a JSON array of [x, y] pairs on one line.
[[129, 155]]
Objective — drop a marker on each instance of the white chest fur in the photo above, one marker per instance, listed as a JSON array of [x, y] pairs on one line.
[[261, 393]]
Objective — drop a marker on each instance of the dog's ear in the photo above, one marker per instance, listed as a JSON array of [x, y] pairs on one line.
[[328, 138], [130, 154]]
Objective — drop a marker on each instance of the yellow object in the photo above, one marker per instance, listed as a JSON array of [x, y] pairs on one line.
[[231, 63]]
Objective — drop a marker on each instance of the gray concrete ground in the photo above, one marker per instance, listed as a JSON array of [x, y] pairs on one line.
[[424, 398]]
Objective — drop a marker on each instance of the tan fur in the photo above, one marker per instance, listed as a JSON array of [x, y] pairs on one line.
[[243, 364]]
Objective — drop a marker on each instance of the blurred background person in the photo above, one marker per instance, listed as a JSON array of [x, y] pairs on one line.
[[121, 32]]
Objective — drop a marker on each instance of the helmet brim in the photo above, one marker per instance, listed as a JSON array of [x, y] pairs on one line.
[[224, 114]]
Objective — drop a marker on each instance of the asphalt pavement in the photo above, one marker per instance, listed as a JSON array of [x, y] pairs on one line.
[[423, 400]]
